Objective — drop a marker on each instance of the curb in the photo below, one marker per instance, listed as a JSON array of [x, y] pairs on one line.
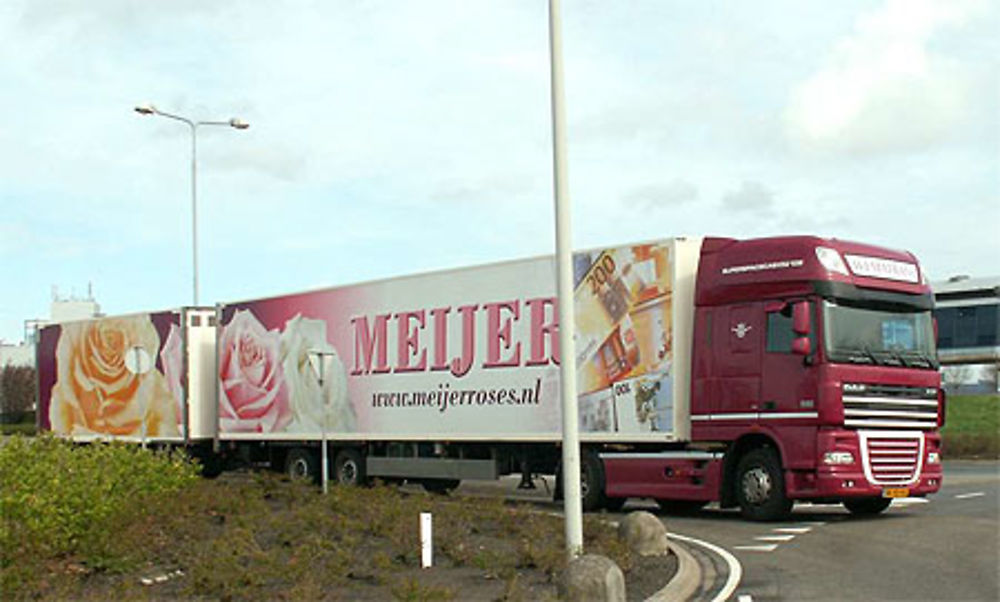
[[685, 582]]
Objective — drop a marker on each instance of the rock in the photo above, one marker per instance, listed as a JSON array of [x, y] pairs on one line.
[[644, 534], [592, 578]]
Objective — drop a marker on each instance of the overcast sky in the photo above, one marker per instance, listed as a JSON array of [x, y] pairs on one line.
[[396, 137]]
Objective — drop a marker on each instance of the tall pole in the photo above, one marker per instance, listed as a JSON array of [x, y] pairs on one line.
[[194, 209], [564, 276], [236, 123]]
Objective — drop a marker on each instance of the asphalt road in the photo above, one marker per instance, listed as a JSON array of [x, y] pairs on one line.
[[942, 548]]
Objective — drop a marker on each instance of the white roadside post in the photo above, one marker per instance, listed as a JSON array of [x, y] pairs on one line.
[[426, 541], [317, 359], [564, 275]]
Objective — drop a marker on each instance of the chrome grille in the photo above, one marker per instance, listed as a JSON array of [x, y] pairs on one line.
[[892, 457], [886, 406]]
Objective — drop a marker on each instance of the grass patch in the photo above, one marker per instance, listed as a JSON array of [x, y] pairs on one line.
[[972, 427], [92, 522]]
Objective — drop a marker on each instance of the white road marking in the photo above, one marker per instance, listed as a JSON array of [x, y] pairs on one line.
[[816, 524], [795, 530], [967, 496], [775, 538], [762, 548], [744, 598], [735, 568]]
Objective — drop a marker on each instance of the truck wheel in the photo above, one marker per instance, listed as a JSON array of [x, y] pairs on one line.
[[349, 468], [300, 463], [591, 481], [212, 465], [760, 486], [681, 507], [867, 506], [440, 486]]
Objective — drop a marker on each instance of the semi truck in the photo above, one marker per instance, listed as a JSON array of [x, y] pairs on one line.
[[754, 373]]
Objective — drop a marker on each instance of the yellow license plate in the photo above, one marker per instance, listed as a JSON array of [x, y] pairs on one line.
[[895, 492]]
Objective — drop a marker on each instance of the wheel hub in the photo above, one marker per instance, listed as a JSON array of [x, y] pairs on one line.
[[348, 473], [300, 468], [757, 485]]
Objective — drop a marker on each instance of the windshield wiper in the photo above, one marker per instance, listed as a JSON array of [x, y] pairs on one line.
[[899, 358], [920, 359], [861, 355]]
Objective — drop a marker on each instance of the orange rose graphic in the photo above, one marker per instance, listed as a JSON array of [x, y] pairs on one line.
[[106, 383]]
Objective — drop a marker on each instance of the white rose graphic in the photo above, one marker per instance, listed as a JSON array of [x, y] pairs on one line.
[[312, 409]]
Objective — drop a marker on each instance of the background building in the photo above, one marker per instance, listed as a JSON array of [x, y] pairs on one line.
[[968, 318], [62, 309]]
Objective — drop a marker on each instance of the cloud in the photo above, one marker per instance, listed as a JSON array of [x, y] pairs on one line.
[[884, 88], [659, 196], [751, 196]]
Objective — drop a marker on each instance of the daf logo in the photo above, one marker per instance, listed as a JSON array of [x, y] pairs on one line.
[[741, 330]]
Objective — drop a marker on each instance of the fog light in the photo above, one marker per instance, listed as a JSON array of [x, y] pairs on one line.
[[933, 458], [838, 457]]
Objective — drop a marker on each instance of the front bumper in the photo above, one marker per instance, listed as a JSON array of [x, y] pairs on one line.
[[897, 463]]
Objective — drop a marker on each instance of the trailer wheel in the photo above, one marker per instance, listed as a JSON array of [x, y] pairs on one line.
[[349, 468], [760, 486], [867, 506], [591, 481], [440, 486], [212, 465], [300, 463]]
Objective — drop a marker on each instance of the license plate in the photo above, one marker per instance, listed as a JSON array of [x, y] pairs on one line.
[[895, 492]]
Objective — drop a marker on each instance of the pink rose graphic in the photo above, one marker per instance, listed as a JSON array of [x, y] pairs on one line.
[[253, 394]]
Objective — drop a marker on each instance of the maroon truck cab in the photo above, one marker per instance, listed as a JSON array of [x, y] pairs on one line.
[[815, 373]]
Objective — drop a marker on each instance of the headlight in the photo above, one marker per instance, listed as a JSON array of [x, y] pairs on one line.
[[933, 458], [838, 458]]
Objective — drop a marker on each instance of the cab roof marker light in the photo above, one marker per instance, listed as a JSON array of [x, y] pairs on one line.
[[831, 260]]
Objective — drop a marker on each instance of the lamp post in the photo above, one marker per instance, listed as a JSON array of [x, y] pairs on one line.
[[564, 284], [236, 123]]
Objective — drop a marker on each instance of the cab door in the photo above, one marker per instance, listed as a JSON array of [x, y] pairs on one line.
[[738, 361], [788, 383]]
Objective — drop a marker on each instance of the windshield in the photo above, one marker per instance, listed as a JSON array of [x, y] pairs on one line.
[[863, 335]]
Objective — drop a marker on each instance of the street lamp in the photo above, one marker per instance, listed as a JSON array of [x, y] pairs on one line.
[[572, 503], [236, 123]]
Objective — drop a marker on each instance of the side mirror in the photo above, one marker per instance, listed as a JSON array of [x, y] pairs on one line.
[[801, 318], [802, 346]]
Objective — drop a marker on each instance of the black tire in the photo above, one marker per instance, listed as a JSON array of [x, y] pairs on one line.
[[301, 463], [349, 468], [592, 482], [681, 507], [212, 465], [760, 486], [867, 506], [440, 486]]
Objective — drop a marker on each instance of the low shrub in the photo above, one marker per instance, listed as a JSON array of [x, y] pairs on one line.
[[62, 501]]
